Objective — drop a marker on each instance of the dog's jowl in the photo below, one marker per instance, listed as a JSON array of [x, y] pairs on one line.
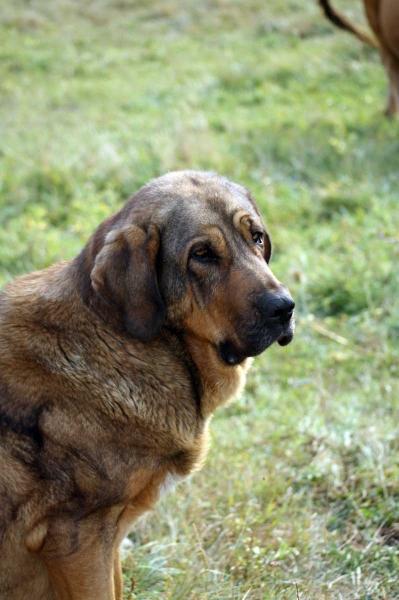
[[110, 367]]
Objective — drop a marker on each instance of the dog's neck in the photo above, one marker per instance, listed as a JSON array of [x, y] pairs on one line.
[[217, 384], [220, 383]]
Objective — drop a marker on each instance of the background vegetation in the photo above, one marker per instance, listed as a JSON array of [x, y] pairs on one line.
[[300, 494]]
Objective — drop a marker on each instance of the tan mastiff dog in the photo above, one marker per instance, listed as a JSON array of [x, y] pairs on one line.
[[111, 365], [383, 18]]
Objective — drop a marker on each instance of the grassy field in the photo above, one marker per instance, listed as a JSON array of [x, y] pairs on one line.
[[300, 495]]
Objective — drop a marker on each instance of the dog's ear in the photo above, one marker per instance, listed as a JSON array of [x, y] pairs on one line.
[[124, 276]]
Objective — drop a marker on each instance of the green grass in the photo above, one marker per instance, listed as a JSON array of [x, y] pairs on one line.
[[302, 480]]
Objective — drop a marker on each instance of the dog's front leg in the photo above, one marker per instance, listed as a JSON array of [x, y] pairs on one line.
[[86, 575], [79, 558], [118, 578]]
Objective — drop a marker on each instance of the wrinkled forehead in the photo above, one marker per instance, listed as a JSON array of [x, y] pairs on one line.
[[195, 202]]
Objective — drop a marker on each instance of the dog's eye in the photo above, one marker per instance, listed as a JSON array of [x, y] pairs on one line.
[[201, 253], [258, 238], [204, 254]]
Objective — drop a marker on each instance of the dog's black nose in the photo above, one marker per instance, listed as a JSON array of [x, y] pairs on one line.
[[276, 306]]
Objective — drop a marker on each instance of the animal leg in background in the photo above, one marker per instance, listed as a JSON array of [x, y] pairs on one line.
[[383, 18]]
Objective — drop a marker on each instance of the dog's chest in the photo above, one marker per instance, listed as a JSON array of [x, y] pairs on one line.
[[169, 483]]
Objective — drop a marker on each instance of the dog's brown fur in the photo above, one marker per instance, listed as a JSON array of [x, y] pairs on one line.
[[383, 18], [110, 371]]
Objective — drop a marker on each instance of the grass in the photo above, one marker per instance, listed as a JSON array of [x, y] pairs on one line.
[[300, 493]]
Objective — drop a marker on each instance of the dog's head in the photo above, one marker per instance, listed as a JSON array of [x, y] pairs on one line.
[[190, 251]]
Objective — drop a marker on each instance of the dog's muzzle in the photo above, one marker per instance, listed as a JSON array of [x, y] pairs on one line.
[[273, 321]]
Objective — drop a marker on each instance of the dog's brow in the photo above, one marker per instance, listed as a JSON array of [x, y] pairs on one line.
[[238, 216], [209, 231]]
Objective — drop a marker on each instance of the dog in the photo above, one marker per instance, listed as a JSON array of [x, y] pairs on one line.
[[383, 18], [112, 364]]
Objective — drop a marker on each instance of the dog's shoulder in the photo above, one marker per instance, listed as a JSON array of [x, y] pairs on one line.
[[79, 402]]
